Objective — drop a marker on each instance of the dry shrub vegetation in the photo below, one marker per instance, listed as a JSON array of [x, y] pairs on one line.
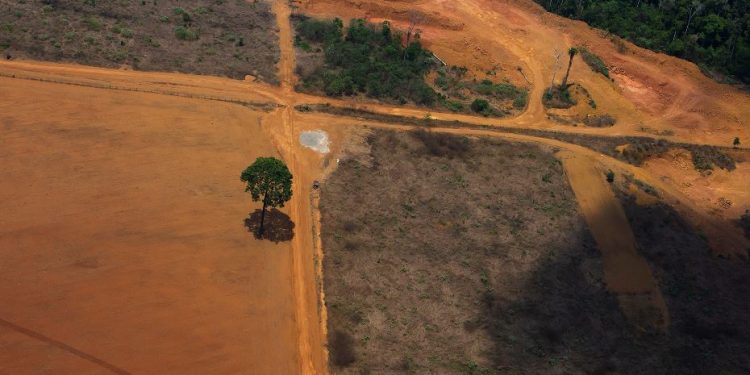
[[440, 249], [599, 121], [229, 38], [448, 255]]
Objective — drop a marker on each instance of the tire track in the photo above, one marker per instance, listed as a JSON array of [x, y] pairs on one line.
[[65, 347]]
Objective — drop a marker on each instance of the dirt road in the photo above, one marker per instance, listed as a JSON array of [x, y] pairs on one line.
[[260, 95], [310, 325]]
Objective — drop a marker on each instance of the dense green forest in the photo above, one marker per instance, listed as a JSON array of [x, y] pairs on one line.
[[367, 59], [715, 34]]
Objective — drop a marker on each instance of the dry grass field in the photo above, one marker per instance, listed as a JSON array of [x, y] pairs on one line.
[[437, 232], [227, 38]]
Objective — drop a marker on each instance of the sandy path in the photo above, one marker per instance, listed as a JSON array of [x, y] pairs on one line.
[[626, 273]]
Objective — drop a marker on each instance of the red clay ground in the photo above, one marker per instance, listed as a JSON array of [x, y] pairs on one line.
[[123, 242]]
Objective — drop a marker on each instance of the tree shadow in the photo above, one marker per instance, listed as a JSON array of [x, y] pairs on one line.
[[278, 226]]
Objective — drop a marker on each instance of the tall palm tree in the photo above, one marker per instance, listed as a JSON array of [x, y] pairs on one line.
[[571, 52]]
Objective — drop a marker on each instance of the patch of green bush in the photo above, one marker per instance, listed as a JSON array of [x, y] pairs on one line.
[[706, 157], [441, 81], [555, 97], [480, 106], [182, 13], [367, 59], [594, 61], [521, 100], [318, 31], [298, 42], [454, 106], [124, 31], [184, 33], [92, 23], [502, 90]]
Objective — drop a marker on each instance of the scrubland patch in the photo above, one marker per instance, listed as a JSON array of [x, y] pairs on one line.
[[221, 37], [469, 256], [436, 252]]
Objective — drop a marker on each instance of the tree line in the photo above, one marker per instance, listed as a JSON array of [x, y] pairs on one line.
[[715, 34]]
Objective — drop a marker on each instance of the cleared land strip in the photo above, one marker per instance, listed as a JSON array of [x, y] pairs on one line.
[[626, 273]]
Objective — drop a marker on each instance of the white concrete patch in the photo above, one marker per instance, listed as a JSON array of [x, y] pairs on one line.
[[316, 140]]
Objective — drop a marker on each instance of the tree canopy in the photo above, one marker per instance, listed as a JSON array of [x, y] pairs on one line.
[[268, 180], [715, 34], [369, 59]]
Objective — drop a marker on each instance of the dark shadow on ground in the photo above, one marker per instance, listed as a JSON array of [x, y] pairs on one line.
[[564, 320], [708, 297], [277, 228]]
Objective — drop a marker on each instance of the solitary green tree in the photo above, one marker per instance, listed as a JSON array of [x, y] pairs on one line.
[[736, 142], [269, 180], [571, 52]]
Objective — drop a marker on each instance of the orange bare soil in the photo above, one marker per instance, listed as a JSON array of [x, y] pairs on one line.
[[122, 236]]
